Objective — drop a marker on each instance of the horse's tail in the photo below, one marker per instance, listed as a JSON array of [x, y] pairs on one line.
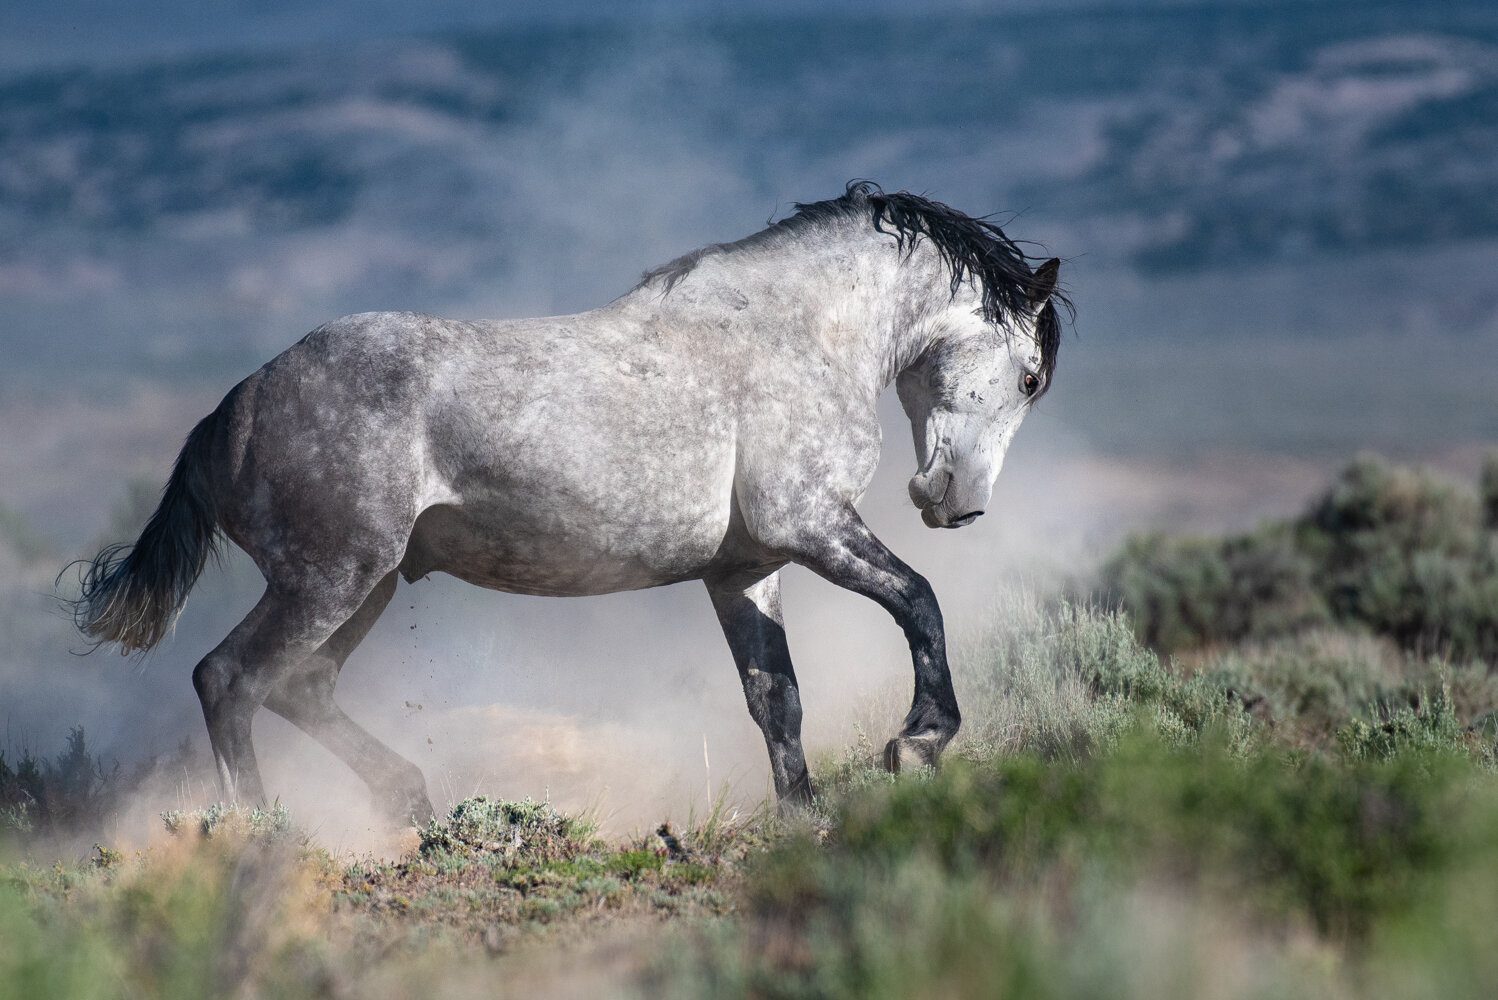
[[132, 594]]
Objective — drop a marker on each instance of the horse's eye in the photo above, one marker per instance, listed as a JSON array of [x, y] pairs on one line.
[[1030, 383]]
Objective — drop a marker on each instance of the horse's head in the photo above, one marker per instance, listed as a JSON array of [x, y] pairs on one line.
[[967, 394]]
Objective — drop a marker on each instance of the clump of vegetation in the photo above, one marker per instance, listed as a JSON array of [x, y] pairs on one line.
[[1182, 592], [1307, 687], [508, 830], [61, 793], [498, 872], [230, 820], [1433, 729], [17, 794], [1402, 553], [1063, 680]]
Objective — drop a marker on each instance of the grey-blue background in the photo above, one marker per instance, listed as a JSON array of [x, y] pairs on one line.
[[1280, 220]]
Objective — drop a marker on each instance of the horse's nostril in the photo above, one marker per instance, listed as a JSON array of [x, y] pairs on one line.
[[971, 515], [929, 489]]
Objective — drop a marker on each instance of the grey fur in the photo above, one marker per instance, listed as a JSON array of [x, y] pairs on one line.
[[715, 427]]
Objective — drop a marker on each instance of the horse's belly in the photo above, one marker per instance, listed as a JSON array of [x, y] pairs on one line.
[[554, 553]]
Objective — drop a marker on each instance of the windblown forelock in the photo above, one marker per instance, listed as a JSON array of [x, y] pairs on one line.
[[1048, 338]]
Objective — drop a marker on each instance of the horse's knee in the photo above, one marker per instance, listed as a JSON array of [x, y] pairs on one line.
[[223, 691], [920, 613]]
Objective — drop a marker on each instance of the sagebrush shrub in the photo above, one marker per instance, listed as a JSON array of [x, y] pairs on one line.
[[1402, 552]]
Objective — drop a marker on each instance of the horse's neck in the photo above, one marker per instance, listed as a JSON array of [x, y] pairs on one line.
[[845, 294]]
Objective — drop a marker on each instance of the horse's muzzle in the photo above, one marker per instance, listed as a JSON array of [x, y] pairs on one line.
[[928, 491], [932, 518]]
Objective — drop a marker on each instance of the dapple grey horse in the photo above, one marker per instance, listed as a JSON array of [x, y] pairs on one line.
[[714, 423]]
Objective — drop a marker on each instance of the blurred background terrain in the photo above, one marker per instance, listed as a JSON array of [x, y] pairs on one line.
[[1280, 222]]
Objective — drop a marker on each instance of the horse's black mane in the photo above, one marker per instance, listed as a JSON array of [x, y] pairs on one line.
[[972, 248]]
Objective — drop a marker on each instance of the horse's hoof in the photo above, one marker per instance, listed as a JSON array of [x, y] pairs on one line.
[[892, 756], [796, 804], [410, 811], [904, 752]]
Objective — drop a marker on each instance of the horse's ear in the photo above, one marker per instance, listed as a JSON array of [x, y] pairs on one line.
[[1044, 283]]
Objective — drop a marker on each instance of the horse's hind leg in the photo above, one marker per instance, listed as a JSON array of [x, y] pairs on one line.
[[288, 624], [749, 611], [305, 698]]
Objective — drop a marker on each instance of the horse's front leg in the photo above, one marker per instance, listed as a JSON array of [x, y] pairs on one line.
[[748, 608], [851, 556]]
